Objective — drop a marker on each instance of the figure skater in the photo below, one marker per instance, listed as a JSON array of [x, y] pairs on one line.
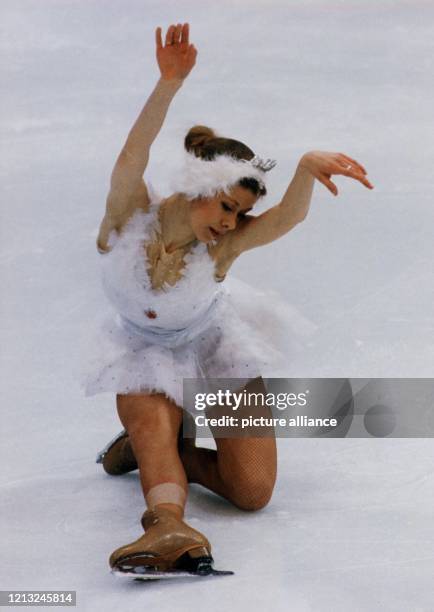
[[164, 263]]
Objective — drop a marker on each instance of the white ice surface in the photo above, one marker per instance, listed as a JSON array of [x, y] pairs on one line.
[[350, 524]]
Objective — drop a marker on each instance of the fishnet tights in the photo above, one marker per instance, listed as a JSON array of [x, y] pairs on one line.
[[240, 470]]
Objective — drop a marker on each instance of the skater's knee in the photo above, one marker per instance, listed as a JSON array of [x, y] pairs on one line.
[[149, 416], [255, 500], [253, 492]]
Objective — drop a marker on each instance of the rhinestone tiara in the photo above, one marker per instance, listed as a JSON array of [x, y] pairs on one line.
[[265, 166]]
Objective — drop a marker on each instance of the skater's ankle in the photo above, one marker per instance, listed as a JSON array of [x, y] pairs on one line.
[[176, 510]]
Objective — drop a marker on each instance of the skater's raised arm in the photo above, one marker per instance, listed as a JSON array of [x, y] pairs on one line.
[[253, 231], [127, 188]]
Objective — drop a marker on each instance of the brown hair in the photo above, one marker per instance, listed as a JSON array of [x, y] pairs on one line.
[[204, 143]]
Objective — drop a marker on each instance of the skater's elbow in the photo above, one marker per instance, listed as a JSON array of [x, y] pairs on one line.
[[102, 247], [298, 217]]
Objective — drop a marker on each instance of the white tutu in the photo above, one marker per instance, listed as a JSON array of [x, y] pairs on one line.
[[199, 328]]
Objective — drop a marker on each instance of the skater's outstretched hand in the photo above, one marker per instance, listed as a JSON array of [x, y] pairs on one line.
[[323, 165], [177, 57]]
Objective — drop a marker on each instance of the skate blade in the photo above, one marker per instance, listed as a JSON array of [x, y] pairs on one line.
[[187, 566], [102, 453], [143, 573]]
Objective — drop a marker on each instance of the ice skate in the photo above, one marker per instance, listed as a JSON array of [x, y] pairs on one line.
[[169, 548], [117, 457]]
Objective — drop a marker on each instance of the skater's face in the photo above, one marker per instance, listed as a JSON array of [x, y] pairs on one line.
[[211, 218]]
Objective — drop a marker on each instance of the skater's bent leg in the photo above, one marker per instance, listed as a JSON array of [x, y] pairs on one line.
[[152, 422], [248, 468], [243, 470]]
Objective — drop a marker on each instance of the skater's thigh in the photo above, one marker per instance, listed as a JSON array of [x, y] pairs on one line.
[[250, 453], [245, 453], [148, 413]]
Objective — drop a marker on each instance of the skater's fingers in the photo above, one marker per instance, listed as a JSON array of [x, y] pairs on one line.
[[158, 40], [325, 180], [169, 35], [358, 176], [365, 182], [177, 33], [348, 170], [351, 161], [185, 33], [355, 173]]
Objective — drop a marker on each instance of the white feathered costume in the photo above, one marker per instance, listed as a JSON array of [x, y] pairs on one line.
[[201, 328]]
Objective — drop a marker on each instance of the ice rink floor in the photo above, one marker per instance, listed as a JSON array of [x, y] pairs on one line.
[[350, 524]]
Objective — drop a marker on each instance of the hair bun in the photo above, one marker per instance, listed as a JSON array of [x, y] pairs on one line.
[[197, 137]]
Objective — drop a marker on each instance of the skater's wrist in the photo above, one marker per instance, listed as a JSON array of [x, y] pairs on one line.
[[170, 82], [305, 164]]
